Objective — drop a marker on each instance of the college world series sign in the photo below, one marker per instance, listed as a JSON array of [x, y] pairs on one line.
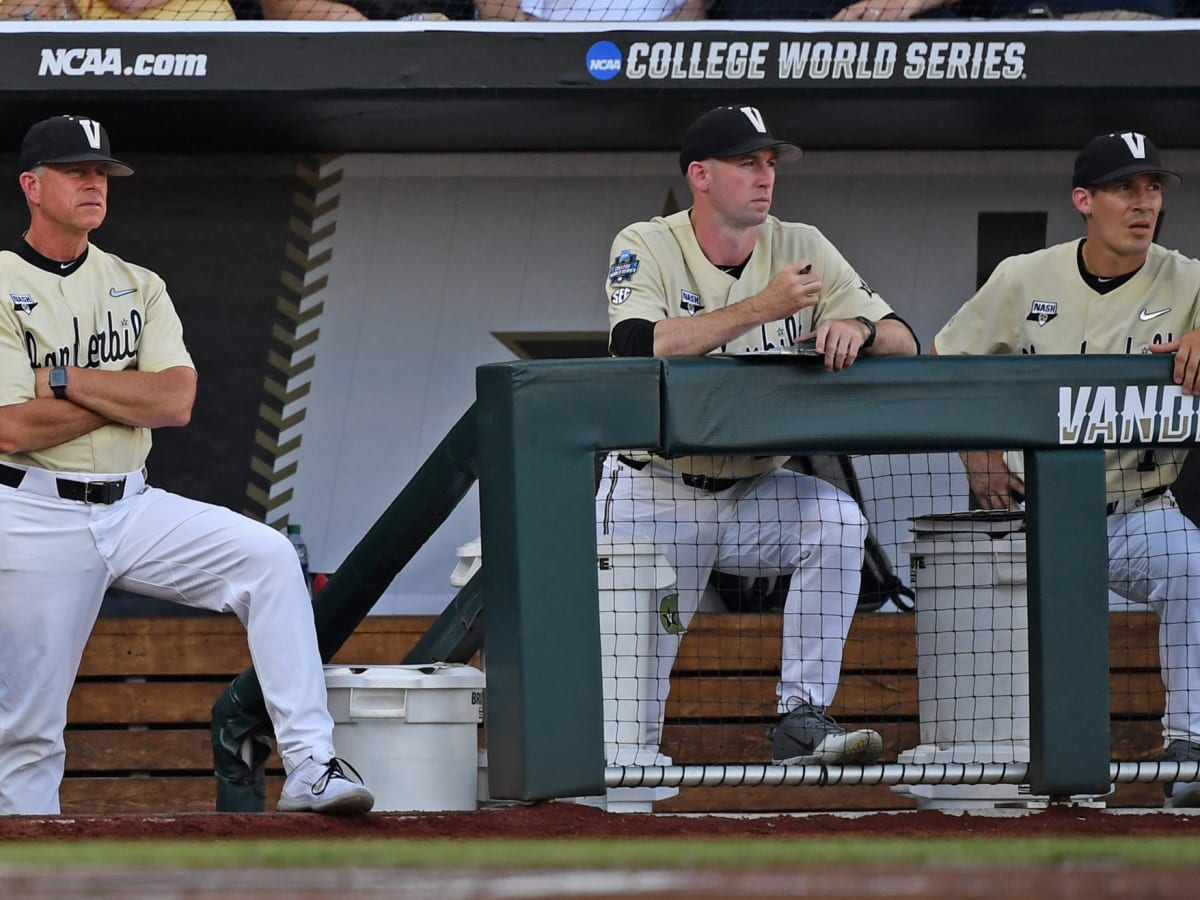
[[474, 57]]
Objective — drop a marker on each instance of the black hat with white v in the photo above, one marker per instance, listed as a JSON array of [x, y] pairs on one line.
[[729, 131], [1108, 157], [69, 139]]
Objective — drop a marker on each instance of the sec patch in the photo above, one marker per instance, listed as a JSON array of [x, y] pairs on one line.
[[620, 295]]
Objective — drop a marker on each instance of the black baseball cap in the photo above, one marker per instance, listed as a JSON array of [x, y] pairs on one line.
[[1108, 157], [731, 131], [68, 139]]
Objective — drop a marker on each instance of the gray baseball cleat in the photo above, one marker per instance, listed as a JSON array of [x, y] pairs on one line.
[[807, 734], [1181, 794], [325, 788]]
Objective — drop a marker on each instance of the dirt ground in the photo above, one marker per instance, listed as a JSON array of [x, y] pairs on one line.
[[566, 820]]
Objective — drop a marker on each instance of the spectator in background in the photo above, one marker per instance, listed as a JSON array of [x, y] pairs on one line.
[[885, 10], [868, 10], [592, 10], [116, 9], [361, 10]]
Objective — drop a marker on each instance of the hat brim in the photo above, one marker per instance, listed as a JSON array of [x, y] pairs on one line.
[[115, 166], [1169, 178], [784, 151]]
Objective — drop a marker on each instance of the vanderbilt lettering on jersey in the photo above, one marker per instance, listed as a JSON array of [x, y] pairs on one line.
[[1039, 303], [105, 314]]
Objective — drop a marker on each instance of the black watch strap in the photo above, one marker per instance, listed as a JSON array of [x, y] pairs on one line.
[[58, 382], [870, 328]]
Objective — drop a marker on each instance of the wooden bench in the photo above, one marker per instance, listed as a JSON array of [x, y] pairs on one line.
[[723, 701], [139, 733]]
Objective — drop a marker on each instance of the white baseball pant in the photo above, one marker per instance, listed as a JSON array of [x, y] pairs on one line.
[[1154, 558], [57, 559], [778, 524]]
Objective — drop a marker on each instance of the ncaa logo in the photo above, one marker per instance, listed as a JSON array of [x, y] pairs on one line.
[[604, 60]]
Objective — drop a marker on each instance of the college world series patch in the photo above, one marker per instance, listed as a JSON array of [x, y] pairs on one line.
[[623, 267]]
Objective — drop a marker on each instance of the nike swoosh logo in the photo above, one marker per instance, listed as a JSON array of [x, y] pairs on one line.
[[1147, 316], [67, 265], [113, 292]]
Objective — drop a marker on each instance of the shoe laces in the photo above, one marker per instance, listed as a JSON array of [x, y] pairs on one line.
[[333, 769], [804, 707]]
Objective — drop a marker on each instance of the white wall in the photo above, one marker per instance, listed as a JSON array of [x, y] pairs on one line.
[[432, 254]]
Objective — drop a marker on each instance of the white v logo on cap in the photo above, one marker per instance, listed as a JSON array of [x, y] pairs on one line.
[[1136, 143], [755, 118], [91, 129]]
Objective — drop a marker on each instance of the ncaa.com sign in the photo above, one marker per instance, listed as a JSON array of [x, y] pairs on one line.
[[98, 61]]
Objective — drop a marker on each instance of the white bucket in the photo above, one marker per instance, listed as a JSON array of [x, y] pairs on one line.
[[410, 731], [971, 585], [972, 641]]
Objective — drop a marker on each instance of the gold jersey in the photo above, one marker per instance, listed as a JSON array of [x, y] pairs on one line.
[[106, 314], [658, 271], [1039, 303]]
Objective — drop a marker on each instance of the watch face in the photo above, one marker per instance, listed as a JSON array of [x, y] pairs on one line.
[[58, 377]]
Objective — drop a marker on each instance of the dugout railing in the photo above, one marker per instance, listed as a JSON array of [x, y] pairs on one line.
[[532, 437], [540, 424]]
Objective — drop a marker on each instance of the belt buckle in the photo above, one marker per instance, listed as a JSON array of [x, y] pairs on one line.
[[103, 491]]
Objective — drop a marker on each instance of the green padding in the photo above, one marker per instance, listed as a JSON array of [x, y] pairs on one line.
[[784, 404], [540, 425], [1068, 623]]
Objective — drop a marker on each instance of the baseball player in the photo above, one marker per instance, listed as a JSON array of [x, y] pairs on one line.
[[91, 359], [1114, 291], [726, 276]]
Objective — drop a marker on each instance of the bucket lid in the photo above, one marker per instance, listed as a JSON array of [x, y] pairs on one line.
[[975, 524], [433, 675]]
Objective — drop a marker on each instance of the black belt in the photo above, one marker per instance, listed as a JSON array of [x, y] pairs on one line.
[[699, 482], [87, 491], [1148, 495]]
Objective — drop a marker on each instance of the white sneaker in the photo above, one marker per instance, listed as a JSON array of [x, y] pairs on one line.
[[325, 788]]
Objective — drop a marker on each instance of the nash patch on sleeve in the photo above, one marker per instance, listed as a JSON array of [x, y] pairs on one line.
[[23, 303], [623, 267]]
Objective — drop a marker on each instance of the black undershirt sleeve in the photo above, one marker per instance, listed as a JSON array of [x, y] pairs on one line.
[[633, 337]]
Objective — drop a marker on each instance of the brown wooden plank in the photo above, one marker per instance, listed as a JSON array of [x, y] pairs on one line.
[[721, 642], [90, 796], [143, 702], [176, 750], [747, 743], [864, 695], [754, 697], [216, 645]]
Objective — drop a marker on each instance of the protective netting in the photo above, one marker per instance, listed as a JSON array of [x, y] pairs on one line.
[[910, 622], [598, 10]]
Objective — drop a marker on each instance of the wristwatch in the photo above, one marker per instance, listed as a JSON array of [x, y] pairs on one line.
[[58, 382], [870, 329]]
